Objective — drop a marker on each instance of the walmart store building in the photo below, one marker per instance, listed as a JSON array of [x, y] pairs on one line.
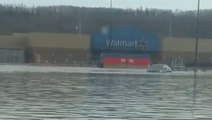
[[123, 47]]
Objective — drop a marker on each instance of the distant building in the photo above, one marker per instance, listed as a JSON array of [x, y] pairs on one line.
[[121, 48]]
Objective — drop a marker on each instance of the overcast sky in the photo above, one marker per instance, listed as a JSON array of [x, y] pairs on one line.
[[164, 4]]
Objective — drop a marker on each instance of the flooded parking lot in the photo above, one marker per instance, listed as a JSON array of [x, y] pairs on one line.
[[28, 94]]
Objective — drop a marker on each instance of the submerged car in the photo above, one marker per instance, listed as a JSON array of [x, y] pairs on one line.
[[160, 68]]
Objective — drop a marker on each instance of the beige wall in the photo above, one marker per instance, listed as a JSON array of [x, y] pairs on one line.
[[46, 40], [186, 45], [48, 44], [53, 40], [12, 41], [75, 41], [180, 51]]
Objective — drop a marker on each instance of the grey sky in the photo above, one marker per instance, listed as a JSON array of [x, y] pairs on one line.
[[164, 4]]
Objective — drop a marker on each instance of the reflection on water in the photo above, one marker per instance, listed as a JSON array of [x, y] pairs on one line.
[[101, 96]]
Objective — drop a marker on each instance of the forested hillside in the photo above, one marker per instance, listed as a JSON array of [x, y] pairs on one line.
[[69, 19]]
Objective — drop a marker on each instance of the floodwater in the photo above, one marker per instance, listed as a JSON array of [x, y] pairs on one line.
[[65, 93]]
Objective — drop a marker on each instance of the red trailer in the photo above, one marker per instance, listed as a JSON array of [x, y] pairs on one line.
[[126, 61]]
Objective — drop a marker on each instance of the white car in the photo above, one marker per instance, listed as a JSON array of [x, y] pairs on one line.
[[160, 68]]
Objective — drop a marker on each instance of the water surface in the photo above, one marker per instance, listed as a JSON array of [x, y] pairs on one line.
[[72, 96]]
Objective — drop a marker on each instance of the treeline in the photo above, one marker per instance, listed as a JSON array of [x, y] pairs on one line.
[[69, 19]]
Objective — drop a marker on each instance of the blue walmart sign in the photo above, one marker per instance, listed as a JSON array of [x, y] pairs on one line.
[[128, 39], [140, 44]]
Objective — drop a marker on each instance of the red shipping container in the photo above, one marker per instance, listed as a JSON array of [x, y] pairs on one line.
[[139, 61], [114, 60], [122, 60]]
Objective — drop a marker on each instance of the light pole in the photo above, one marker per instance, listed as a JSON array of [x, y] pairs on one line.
[[196, 59], [111, 18], [111, 3], [197, 35], [78, 27]]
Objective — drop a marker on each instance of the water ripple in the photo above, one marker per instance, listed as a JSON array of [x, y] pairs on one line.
[[68, 96]]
